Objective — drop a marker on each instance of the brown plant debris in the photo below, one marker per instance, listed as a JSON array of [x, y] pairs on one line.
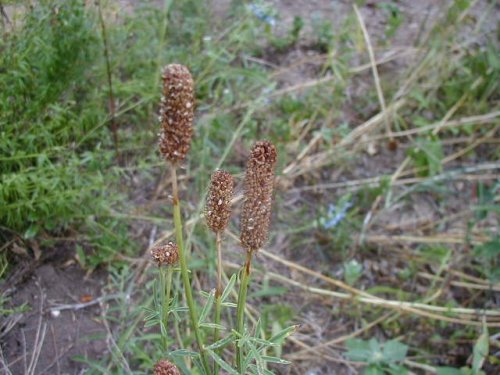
[[164, 367], [176, 112], [166, 255], [218, 206], [259, 184]]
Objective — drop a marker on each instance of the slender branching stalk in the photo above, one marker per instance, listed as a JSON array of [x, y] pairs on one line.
[[184, 269]]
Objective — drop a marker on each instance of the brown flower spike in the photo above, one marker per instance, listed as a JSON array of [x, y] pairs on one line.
[[259, 184], [176, 112], [166, 255], [164, 367], [218, 206]]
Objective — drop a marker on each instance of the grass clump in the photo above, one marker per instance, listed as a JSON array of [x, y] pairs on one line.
[[51, 170]]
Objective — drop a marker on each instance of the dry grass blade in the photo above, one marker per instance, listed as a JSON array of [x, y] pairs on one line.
[[420, 309], [376, 78]]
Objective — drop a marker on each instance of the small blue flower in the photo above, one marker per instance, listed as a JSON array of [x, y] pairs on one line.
[[262, 14], [336, 214]]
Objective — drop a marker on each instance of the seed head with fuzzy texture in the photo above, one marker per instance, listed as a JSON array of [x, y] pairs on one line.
[[164, 367], [259, 184], [166, 255], [176, 112], [218, 206]]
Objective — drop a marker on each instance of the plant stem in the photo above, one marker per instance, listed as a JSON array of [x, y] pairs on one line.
[[166, 284], [184, 269], [218, 295], [112, 109], [242, 299]]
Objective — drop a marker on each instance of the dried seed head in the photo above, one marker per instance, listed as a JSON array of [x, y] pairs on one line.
[[164, 367], [176, 112], [218, 206], [259, 184], [166, 255]]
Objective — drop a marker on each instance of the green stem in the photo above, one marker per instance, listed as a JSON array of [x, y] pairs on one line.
[[166, 284], [240, 314], [184, 269], [218, 296]]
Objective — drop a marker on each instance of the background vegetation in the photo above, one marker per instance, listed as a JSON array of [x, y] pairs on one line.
[[385, 242]]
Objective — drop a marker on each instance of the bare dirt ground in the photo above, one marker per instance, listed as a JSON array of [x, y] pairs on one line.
[[62, 320], [53, 339]]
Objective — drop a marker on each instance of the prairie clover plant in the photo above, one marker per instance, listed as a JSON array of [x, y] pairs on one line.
[[234, 350]]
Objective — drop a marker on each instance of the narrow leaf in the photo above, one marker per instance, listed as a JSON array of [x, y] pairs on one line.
[[270, 359], [223, 364], [183, 353], [229, 287], [480, 351], [221, 343], [282, 335], [207, 307], [212, 326]]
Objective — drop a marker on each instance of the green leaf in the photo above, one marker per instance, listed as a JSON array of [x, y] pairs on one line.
[[489, 250], [212, 326], [31, 232], [270, 291], [81, 257], [150, 323], [448, 371], [183, 353], [428, 153], [270, 359], [352, 271], [373, 370], [396, 370], [480, 351], [261, 341], [221, 343], [258, 327], [199, 366], [179, 309], [223, 364], [282, 335], [229, 287], [207, 307], [394, 351], [358, 350], [258, 358]]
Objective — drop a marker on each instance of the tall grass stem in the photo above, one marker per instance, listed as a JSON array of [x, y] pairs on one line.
[[240, 315], [184, 269], [112, 107], [218, 294]]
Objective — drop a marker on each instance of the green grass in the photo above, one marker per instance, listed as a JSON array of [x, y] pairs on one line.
[[60, 175]]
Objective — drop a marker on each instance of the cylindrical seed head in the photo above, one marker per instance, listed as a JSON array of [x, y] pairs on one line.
[[258, 191], [166, 255], [164, 367], [176, 112], [218, 206]]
